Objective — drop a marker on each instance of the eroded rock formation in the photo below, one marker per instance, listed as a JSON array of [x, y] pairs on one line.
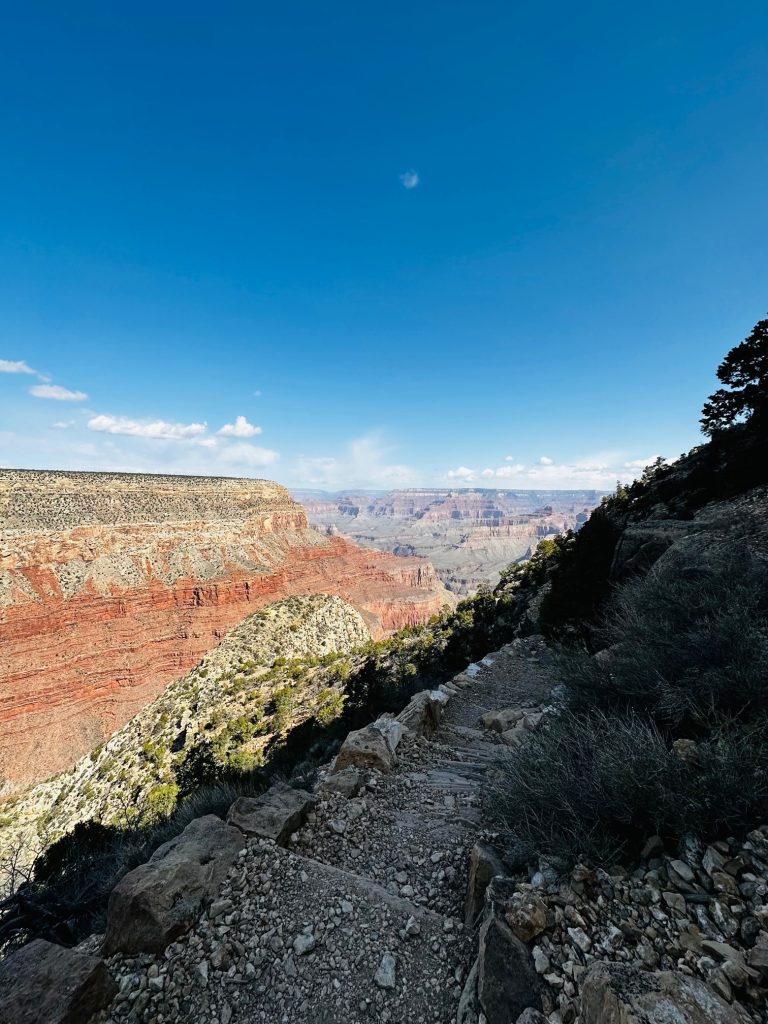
[[112, 585]]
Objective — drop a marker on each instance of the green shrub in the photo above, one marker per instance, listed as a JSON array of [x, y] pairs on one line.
[[282, 700], [330, 705], [159, 802], [687, 643], [596, 787]]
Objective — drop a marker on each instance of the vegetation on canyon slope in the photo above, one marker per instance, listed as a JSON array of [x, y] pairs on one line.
[[225, 730]]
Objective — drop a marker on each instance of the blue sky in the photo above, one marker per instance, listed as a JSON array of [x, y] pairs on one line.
[[375, 245]]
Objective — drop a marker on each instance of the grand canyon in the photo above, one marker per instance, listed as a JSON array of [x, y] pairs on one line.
[[469, 535], [113, 585]]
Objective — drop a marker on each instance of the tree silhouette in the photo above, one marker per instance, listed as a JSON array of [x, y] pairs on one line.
[[744, 372]]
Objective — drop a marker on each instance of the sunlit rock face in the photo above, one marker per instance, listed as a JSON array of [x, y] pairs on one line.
[[112, 585]]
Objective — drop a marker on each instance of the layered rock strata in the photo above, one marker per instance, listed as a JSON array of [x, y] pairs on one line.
[[112, 585]]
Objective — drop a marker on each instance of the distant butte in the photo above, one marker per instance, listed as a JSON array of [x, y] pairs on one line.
[[112, 585]]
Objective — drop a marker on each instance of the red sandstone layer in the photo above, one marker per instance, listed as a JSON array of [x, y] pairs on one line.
[[96, 620]]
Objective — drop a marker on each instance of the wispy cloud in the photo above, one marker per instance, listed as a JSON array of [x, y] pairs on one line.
[[240, 428], [410, 179], [156, 429], [462, 473], [250, 455], [57, 393], [641, 463], [596, 472], [16, 366], [365, 462]]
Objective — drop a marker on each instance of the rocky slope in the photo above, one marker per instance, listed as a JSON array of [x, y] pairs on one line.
[[112, 585], [132, 778], [470, 536]]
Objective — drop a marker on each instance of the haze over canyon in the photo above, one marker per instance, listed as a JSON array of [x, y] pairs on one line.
[[469, 535]]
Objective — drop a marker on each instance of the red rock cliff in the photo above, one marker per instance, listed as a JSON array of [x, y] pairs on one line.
[[112, 585]]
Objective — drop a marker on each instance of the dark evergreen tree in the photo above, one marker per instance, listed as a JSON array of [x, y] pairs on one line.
[[744, 372]]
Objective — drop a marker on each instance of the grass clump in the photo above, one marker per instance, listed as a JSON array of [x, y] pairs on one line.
[[595, 787]]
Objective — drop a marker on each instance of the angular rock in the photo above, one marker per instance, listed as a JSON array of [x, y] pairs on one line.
[[159, 900], [507, 982], [527, 916], [365, 748], [514, 736], [347, 783], [531, 1016], [273, 815], [47, 984], [424, 711], [620, 994], [500, 721], [687, 750], [484, 864], [385, 975], [391, 729]]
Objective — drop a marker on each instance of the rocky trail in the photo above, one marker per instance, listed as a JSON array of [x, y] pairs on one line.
[[361, 915]]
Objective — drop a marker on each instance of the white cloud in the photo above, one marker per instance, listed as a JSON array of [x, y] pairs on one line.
[[58, 393], [157, 429], [250, 455], [641, 463], [64, 424], [363, 463], [16, 366], [240, 428], [461, 473], [509, 458], [596, 472], [410, 179]]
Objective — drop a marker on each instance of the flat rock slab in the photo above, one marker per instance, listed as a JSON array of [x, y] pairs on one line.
[[159, 900], [619, 994], [274, 815], [48, 984]]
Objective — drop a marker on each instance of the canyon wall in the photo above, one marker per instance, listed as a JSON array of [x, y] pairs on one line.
[[112, 585]]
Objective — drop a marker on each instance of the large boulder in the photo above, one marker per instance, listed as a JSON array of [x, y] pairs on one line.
[[48, 984], [507, 982], [365, 748], [484, 864], [158, 901], [620, 994], [274, 815]]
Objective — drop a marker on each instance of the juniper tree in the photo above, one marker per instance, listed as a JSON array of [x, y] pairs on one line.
[[744, 372]]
